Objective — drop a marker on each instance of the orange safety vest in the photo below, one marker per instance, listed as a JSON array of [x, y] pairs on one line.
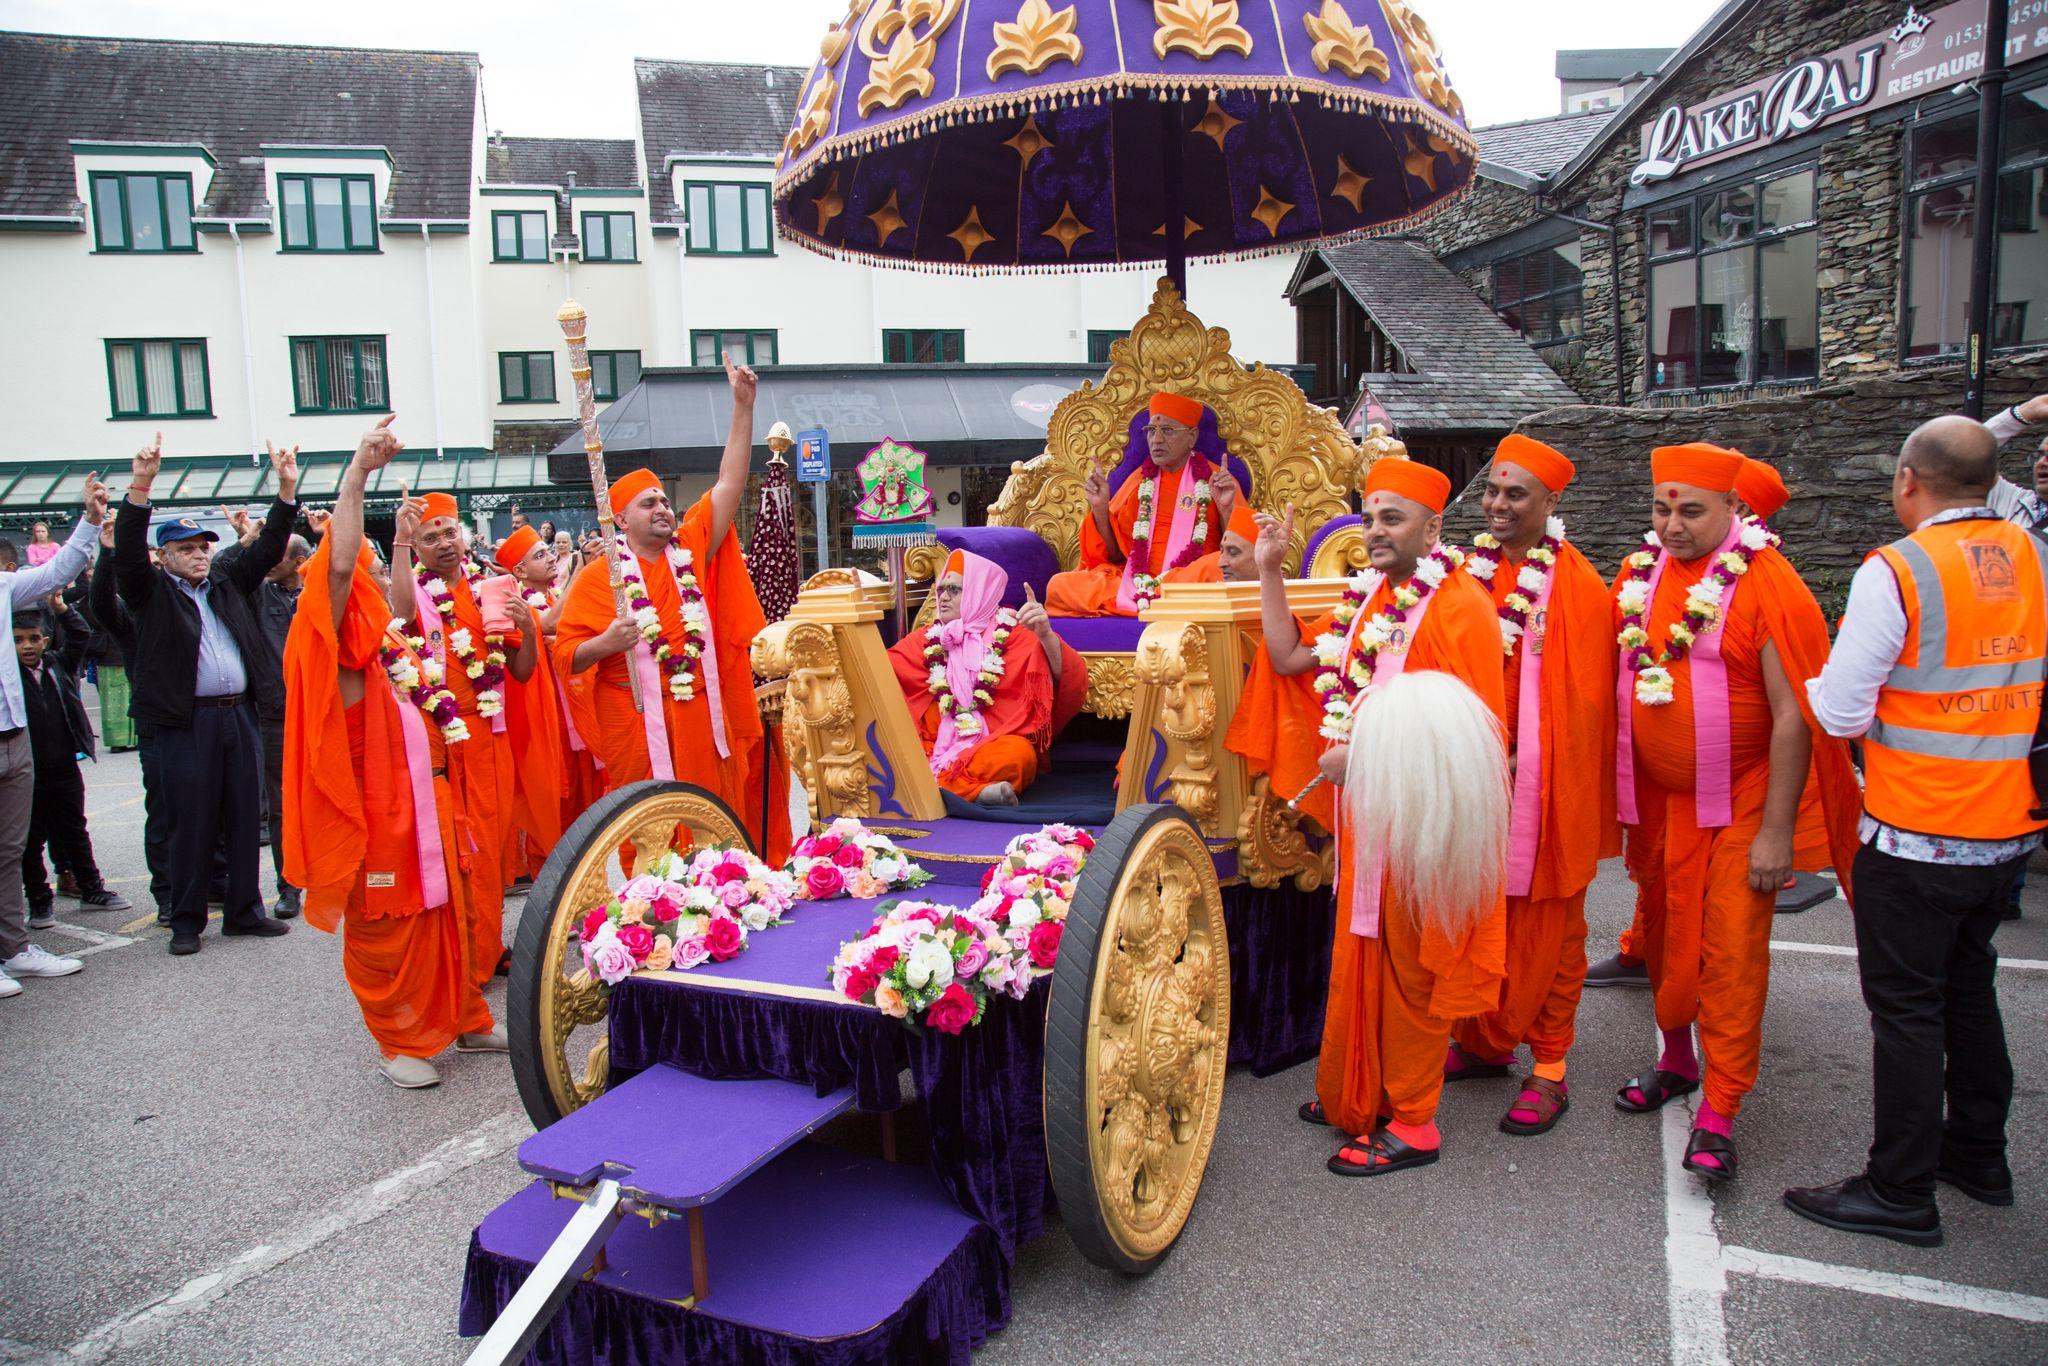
[[1947, 754]]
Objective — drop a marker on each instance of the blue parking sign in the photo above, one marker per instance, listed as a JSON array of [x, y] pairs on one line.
[[813, 457]]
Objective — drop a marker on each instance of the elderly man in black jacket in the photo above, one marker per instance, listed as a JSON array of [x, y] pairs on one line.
[[201, 668]]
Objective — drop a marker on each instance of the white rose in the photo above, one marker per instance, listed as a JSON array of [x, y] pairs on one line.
[[1430, 570], [1635, 596], [1530, 580], [1024, 914], [930, 964], [1553, 527], [1754, 537]]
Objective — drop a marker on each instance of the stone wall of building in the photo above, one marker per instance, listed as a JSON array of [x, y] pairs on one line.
[[1833, 445]]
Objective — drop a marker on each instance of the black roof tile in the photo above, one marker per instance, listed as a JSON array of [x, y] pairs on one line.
[[710, 109], [1538, 147], [597, 163]]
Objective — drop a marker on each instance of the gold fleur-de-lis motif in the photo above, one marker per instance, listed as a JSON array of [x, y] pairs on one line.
[[1201, 28], [1347, 46], [1424, 57], [815, 116], [1035, 41], [903, 68]]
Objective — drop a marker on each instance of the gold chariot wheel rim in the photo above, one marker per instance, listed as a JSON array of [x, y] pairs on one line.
[[570, 998], [1160, 1000]]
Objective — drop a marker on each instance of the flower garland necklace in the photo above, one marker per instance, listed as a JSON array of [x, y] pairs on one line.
[[417, 676], [966, 716], [1484, 562], [677, 664], [1342, 682], [1703, 604], [1145, 586], [486, 669]]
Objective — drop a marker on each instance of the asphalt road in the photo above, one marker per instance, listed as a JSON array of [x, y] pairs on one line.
[[206, 1166]]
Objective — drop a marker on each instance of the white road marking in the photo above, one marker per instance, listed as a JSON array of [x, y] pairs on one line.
[[491, 1139], [1890, 1284], [1692, 1253], [97, 941], [1846, 951]]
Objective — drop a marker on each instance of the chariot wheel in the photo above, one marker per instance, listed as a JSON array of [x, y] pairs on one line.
[[554, 1009], [1137, 1034]]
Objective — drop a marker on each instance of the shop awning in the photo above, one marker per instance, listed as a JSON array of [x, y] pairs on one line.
[[674, 421]]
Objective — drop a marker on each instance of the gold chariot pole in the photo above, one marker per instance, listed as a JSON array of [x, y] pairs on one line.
[[576, 326]]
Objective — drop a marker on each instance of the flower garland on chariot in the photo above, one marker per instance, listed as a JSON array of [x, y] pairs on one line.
[[1483, 562], [418, 677], [967, 715], [1145, 586], [848, 859], [682, 911], [1705, 603], [680, 665], [485, 668], [1345, 654]]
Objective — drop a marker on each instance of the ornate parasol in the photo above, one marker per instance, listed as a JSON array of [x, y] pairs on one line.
[[1021, 135]]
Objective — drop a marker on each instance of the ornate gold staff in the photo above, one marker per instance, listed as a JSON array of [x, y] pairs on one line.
[[575, 326]]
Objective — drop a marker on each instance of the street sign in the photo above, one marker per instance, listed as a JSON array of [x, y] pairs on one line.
[[813, 457]]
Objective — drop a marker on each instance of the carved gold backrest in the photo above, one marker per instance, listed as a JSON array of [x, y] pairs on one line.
[[1297, 452]]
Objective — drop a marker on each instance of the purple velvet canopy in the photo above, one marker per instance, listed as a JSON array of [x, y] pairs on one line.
[[1004, 135]]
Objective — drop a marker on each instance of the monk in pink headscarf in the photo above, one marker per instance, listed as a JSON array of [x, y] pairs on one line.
[[979, 687]]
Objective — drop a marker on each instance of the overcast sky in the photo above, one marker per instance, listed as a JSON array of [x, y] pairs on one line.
[[566, 70]]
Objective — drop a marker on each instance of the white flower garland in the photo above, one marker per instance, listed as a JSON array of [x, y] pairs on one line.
[[1703, 607], [1341, 681], [967, 719], [678, 665], [1485, 560]]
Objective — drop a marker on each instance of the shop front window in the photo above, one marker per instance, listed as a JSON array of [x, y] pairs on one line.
[[1540, 294], [1733, 296]]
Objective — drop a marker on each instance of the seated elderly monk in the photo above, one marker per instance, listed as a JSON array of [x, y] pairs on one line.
[[1169, 512], [979, 686], [1230, 562]]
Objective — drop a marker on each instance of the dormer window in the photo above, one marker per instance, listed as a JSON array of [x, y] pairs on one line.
[[327, 212], [142, 211]]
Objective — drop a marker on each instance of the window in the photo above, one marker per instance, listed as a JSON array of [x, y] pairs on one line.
[[609, 237], [142, 212], [519, 235], [1734, 299], [1099, 343], [1941, 225], [922, 345], [728, 219], [749, 348], [166, 378], [339, 375], [526, 376], [614, 372], [327, 212], [1538, 294]]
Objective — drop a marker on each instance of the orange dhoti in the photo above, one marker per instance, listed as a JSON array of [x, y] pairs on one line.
[[1018, 718], [1005, 759], [481, 780], [1539, 1003]]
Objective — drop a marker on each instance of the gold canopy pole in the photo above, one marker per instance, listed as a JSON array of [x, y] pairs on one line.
[[575, 326]]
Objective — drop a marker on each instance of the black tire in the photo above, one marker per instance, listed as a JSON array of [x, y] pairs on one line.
[[524, 983]]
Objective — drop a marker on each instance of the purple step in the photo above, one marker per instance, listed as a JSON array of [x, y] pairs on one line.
[[676, 1140]]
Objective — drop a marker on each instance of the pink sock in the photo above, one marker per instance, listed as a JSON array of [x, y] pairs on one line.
[[1679, 1058], [1713, 1121]]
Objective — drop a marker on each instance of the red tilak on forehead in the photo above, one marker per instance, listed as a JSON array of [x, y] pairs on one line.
[[1672, 493]]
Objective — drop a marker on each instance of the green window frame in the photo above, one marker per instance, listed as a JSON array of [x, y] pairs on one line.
[[519, 235], [728, 218], [1100, 340], [327, 213], [708, 346], [924, 345], [156, 378], [142, 211], [612, 373], [340, 375], [526, 377], [608, 236]]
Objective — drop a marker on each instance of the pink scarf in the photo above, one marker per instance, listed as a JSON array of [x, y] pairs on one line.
[[966, 641], [1526, 820], [654, 694], [1713, 771], [426, 822], [1194, 472]]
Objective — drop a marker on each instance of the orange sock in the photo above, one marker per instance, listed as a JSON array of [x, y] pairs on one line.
[[1550, 1071]]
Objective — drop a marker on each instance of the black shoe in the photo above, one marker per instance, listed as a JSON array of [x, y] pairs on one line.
[[163, 918], [504, 968], [104, 900], [287, 907], [2012, 912], [41, 917], [1854, 1207], [1987, 1184], [262, 926], [183, 944], [1615, 972], [262, 839]]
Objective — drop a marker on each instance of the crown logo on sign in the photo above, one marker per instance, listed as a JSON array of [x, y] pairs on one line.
[[1912, 26]]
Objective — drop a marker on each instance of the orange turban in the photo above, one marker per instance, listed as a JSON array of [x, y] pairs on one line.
[[439, 505], [1698, 464], [627, 487], [1546, 464], [517, 547], [1243, 522], [1411, 479], [1185, 411], [1758, 485]]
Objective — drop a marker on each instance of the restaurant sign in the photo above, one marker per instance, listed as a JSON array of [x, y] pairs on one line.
[[1925, 53]]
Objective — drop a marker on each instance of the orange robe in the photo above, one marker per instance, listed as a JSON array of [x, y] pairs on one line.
[[1091, 590], [1546, 952], [1019, 723], [1707, 934], [540, 760], [1207, 569], [601, 701], [1392, 1000], [350, 829]]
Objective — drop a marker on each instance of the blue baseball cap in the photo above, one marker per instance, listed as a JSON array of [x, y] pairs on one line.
[[184, 529]]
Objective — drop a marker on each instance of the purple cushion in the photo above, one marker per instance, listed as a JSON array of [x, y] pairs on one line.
[[1021, 552], [1099, 633], [1323, 533]]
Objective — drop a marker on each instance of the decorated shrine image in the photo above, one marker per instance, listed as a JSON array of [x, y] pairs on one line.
[[948, 1014]]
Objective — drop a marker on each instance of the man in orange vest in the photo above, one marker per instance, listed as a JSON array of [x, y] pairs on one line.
[[1939, 668]]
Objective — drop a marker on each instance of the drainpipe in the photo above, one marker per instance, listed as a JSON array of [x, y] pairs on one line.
[[433, 340], [248, 344], [1990, 112]]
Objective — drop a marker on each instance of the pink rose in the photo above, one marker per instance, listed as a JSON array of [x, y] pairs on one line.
[[849, 856], [1045, 942], [1061, 866], [638, 939], [734, 895], [611, 960], [663, 909], [723, 939], [807, 847], [731, 870], [824, 846], [642, 888], [952, 1012], [823, 881], [885, 958], [859, 982], [691, 953], [972, 960], [592, 923]]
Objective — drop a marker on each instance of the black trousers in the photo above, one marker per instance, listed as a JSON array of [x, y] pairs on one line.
[[1923, 945], [273, 796], [57, 821], [209, 777]]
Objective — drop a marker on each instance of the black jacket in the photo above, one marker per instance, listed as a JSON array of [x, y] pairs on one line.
[[111, 615], [273, 606], [57, 727], [165, 666]]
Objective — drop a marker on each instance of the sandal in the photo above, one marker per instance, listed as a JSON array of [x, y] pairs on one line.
[[1707, 1143], [1549, 1105], [1381, 1153], [1662, 1088], [1311, 1112], [1462, 1066]]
